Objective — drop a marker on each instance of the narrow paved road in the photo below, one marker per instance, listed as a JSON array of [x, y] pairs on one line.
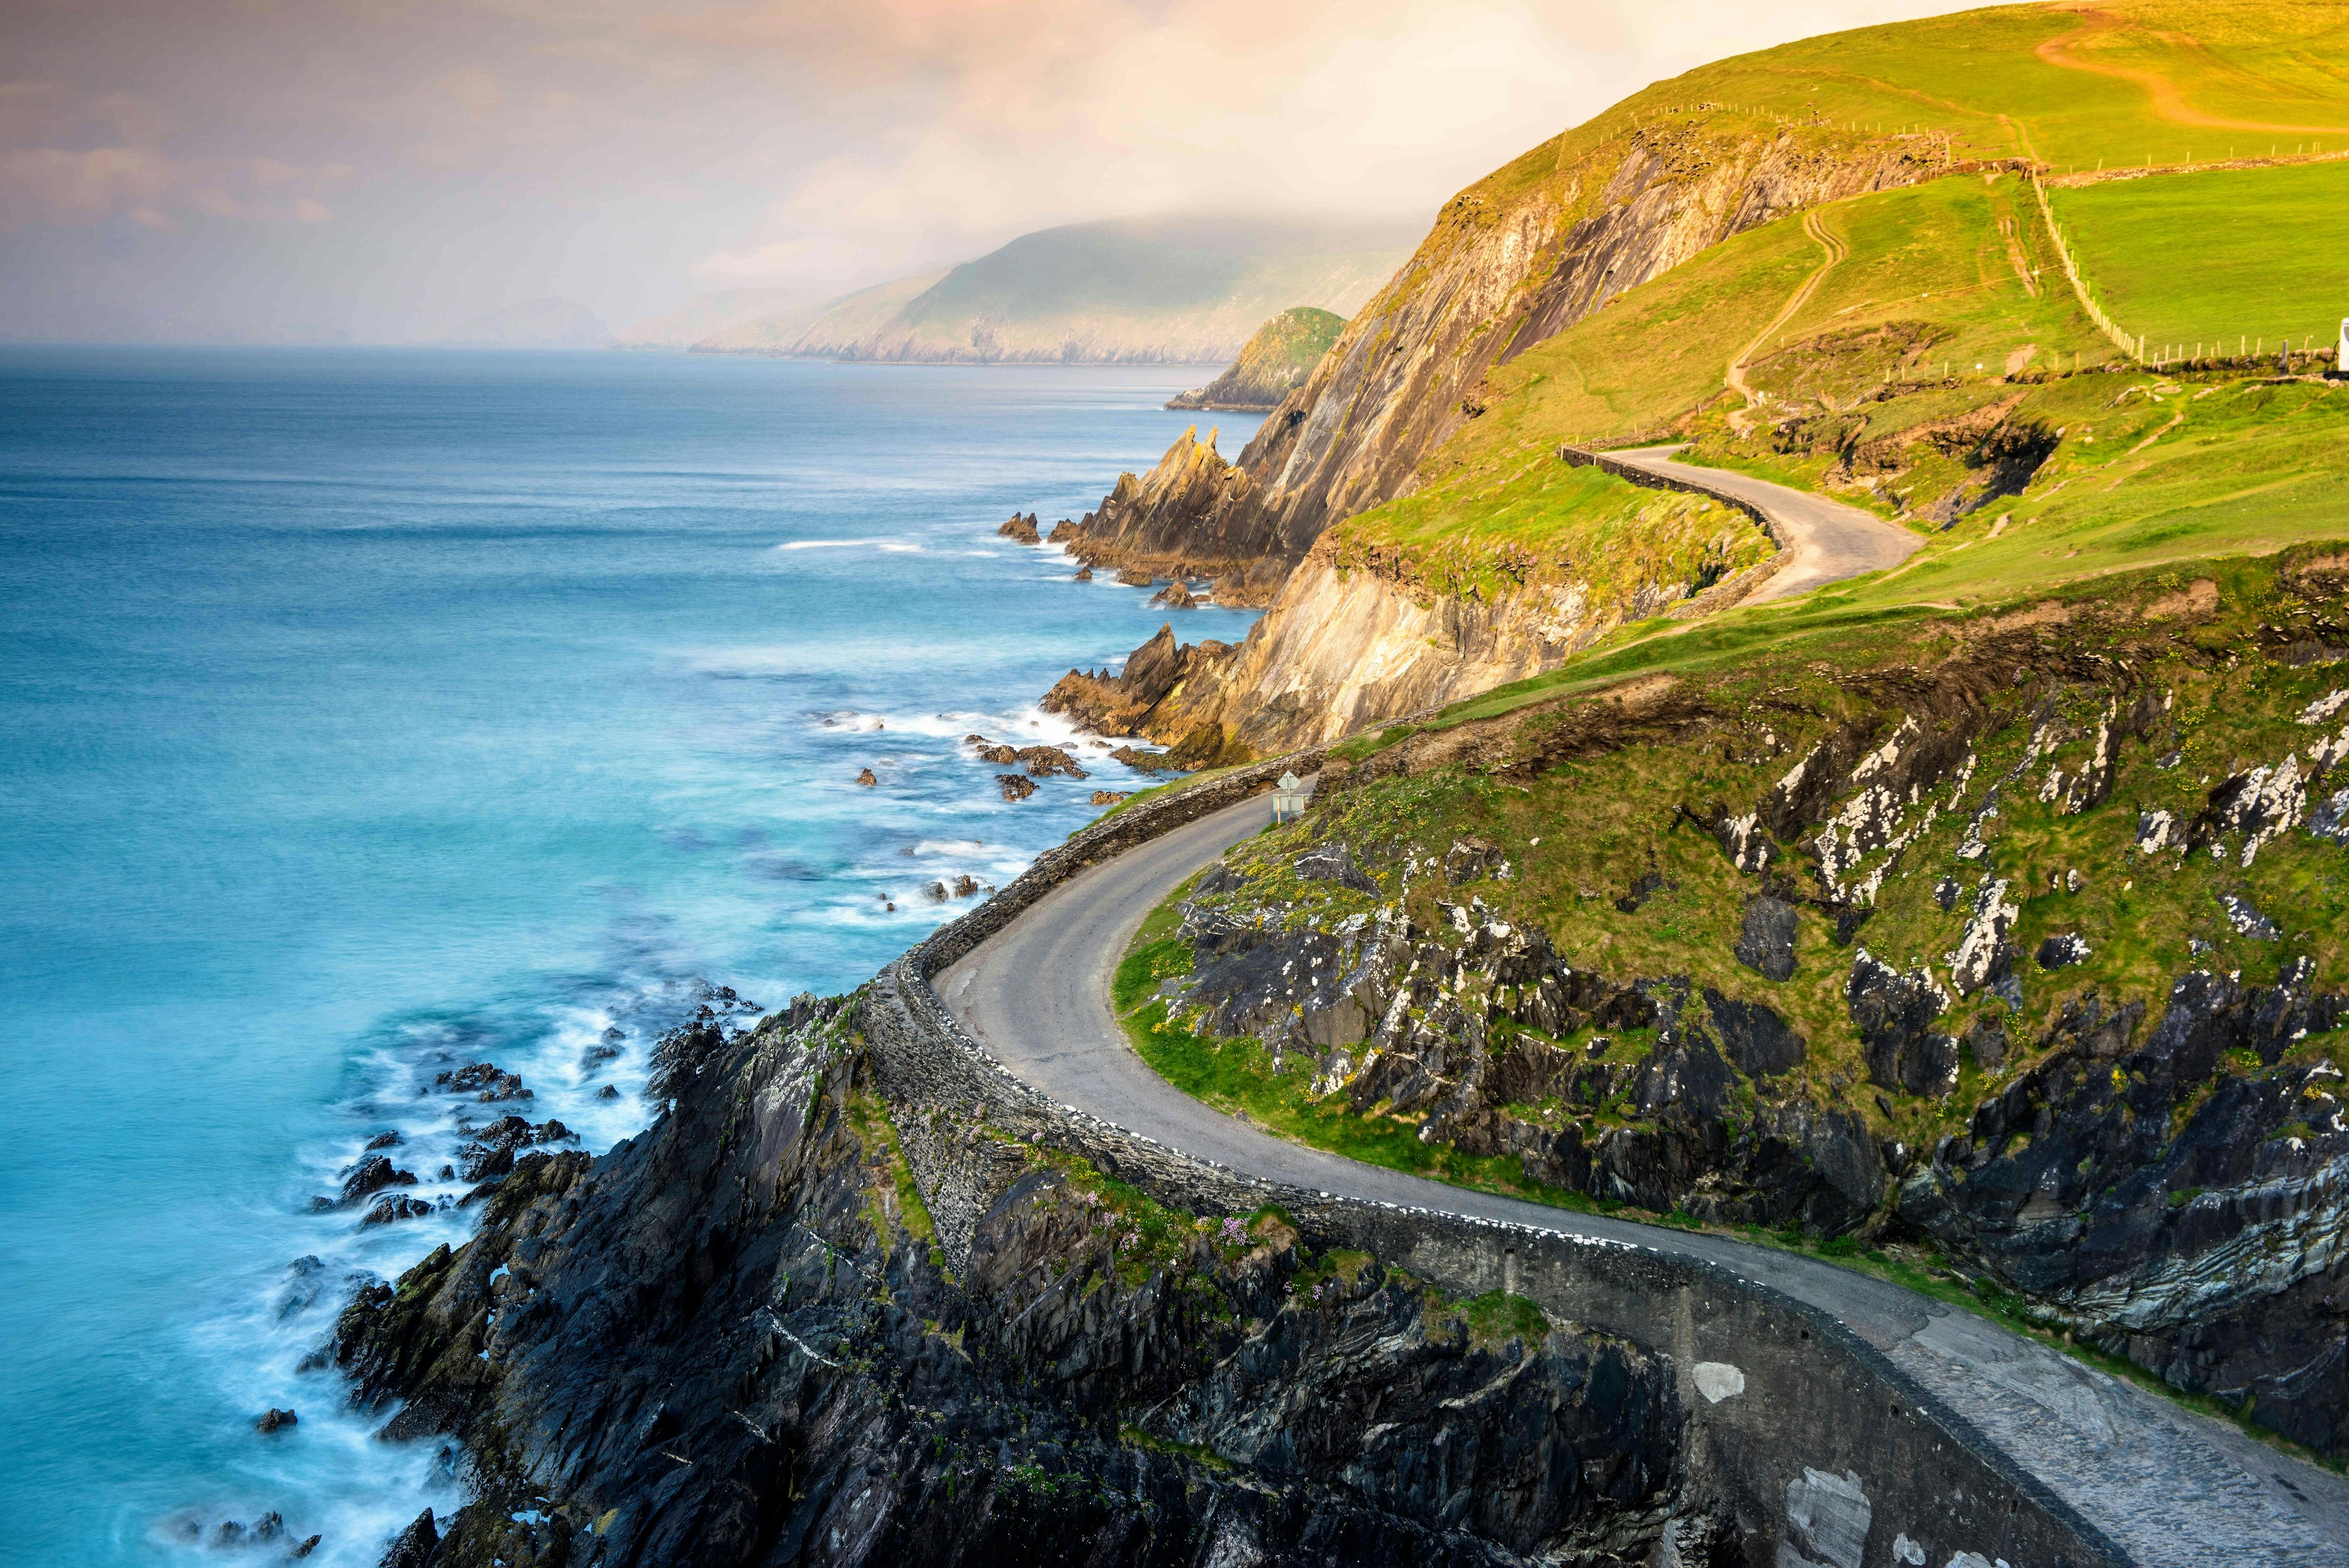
[[2168, 1486], [1830, 541]]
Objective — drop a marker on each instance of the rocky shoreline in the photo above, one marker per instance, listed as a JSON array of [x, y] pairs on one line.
[[736, 1339]]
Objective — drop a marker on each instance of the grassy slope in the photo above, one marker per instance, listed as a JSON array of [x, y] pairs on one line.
[[1293, 340], [2245, 253], [1979, 77]]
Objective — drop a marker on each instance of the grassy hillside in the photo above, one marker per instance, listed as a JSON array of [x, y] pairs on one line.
[[1184, 290], [1280, 356], [810, 327], [2219, 257]]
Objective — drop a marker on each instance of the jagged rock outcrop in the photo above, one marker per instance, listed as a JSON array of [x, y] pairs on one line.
[[1511, 260], [733, 1340], [2190, 1220], [1176, 521]]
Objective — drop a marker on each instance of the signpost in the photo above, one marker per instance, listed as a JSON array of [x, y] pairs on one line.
[[1289, 796]]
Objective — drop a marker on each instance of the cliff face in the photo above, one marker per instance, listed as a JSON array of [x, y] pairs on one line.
[[1277, 360], [737, 1339], [1178, 521], [1358, 634], [1511, 260], [2011, 940]]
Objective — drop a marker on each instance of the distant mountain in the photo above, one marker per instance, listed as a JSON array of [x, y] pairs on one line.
[[818, 331], [536, 324], [704, 314], [1180, 290]]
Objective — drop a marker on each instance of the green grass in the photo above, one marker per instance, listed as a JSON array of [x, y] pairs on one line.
[[1653, 352], [1977, 75], [2218, 257], [1238, 1077], [1968, 258], [1497, 1317], [1483, 532]]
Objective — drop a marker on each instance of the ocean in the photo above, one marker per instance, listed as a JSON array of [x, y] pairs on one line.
[[369, 714]]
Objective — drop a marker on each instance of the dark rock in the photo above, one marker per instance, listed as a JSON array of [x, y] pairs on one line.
[[1646, 886], [387, 1211], [1333, 863], [1143, 761], [865, 776], [372, 1177], [1043, 762], [1472, 860], [273, 1418], [1766, 944], [485, 1081], [1085, 573], [1685, 1077], [1756, 1038], [718, 1377], [306, 1547], [416, 1545], [2063, 950], [607, 1093], [1015, 787], [1945, 893], [1986, 1038], [306, 1279], [1000, 755], [1021, 530], [383, 1140], [1893, 1014], [2246, 920]]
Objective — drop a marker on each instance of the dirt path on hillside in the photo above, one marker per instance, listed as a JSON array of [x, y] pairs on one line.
[[1837, 250], [2167, 101]]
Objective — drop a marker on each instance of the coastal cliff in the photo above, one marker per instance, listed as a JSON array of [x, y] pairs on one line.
[[2009, 940], [1279, 358], [740, 1338], [1516, 259]]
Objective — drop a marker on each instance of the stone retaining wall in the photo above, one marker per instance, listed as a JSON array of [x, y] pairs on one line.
[[1824, 1454], [1631, 473]]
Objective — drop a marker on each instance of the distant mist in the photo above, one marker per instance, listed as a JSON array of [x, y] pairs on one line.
[[264, 171]]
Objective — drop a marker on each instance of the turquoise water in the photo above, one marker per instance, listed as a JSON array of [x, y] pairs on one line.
[[364, 714]]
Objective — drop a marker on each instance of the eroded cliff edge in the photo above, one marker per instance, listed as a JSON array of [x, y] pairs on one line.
[[1517, 258], [740, 1338]]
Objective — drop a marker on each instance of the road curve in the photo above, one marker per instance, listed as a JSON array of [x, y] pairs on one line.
[[1830, 541], [2168, 1486]]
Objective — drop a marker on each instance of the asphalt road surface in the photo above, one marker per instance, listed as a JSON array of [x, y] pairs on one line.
[[2170, 1486], [1830, 541]]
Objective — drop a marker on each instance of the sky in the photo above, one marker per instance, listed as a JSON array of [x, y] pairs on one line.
[[381, 171]]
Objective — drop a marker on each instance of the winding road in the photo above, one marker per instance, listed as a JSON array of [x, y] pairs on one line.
[[1830, 540], [2168, 1486]]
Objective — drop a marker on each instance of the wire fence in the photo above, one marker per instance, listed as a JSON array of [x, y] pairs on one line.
[[2159, 355]]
